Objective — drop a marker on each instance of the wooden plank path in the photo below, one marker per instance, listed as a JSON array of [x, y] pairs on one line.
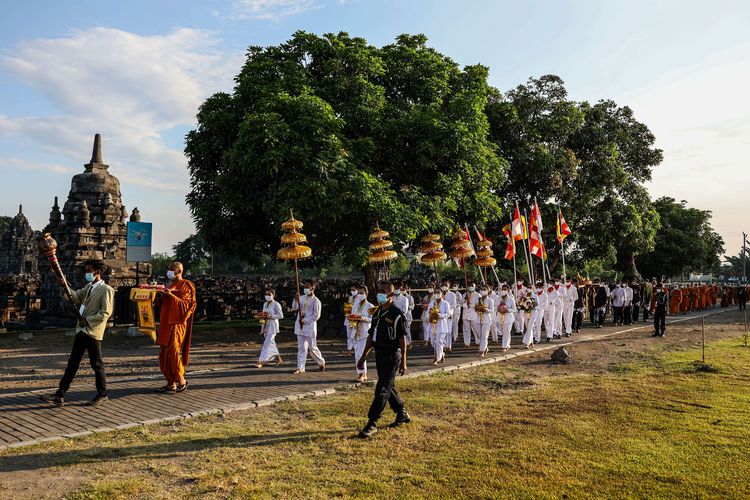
[[25, 420]]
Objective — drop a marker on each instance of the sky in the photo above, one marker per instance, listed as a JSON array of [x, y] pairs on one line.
[[137, 71]]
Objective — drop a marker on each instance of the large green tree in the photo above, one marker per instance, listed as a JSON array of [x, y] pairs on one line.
[[347, 134], [591, 159], [685, 242]]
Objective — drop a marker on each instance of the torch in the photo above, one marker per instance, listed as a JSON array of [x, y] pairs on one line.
[[48, 248]]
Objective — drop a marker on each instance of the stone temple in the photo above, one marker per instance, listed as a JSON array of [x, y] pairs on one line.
[[18, 254], [91, 225]]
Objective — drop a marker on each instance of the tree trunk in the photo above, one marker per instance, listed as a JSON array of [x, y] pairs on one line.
[[632, 269]]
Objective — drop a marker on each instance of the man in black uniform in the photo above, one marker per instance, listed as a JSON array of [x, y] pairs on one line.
[[742, 297], [659, 309], [578, 308], [388, 336], [600, 302]]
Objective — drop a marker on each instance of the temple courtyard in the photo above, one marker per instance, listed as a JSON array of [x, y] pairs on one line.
[[513, 425]]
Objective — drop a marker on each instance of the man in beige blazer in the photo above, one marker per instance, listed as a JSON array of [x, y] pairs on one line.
[[95, 303]]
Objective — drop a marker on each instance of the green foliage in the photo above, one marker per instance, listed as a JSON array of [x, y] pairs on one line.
[[732, 267], [592, 160], [686, 241], [160, 262], [346, 134]]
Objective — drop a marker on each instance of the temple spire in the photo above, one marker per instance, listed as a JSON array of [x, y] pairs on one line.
[[96, 155]]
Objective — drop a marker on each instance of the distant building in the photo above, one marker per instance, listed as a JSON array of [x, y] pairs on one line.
[[91, 225], [18, 248]]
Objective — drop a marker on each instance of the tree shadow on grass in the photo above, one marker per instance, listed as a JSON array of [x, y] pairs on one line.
[[83, 456]]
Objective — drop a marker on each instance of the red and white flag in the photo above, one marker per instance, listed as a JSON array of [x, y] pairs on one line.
[[510, 246], [563, 230]]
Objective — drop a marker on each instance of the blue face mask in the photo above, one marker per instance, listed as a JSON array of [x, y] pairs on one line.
[[382, 298], [89, 277]]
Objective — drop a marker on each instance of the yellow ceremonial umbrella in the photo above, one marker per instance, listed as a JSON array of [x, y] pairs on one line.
[[292, 249], [431, 251], [380, 249]]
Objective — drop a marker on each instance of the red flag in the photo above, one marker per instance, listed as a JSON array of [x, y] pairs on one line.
[[481, 237], [517, 226], [563, 230], [510, 246], [536, 245]]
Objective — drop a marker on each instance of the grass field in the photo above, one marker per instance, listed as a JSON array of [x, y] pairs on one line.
[[649, 426]]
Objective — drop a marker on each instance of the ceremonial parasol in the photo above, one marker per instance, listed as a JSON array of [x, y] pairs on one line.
[[431, 252], [380, 249], [48, 247], [292, 250], [485, 256], [461, 249]]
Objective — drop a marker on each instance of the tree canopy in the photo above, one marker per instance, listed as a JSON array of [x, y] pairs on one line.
[[348, 134]]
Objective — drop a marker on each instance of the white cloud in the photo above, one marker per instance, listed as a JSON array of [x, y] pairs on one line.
[[36, 166], [701, 119], [271, 9], [130, 88]]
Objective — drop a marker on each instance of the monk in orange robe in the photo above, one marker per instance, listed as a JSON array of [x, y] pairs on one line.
[[696, 298], [178, 303], [685, 304], [675, 299]]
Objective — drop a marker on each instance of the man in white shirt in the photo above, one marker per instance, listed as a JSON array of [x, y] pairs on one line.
[[534, 325], [471, 318], [569, 300], [456, 311], [559, 305], [618, 303], [506, 310], [520, 292], [306, 327], [549, 312], [450, 297], [627, 310]]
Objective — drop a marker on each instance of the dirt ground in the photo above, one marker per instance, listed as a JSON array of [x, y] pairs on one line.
[[38, 363], [608, 355]]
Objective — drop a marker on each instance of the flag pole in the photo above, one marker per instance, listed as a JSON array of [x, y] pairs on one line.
[[523, 245], [468, 234], [515, 273], [531, 257], [562, 240]]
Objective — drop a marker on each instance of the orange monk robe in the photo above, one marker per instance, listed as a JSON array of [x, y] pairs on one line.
[[685, 304], [675, 299], [714, 294], [176, 329]]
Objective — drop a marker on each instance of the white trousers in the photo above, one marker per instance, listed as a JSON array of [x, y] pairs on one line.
[[448, 336], [558, 319], [350, 337], [438, 345], [471, 326], [454, 325], [507, 327], [269, 350], [493, 326], [568, 316], [407, 325], [305, 345], [484, 334], [519, 319], [533, 327], [427, 330], [549, 320], [359, 348]]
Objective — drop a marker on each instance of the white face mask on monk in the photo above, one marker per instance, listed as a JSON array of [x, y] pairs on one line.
[[170, 275]]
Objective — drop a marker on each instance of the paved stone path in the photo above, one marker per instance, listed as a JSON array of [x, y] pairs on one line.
[[25, 420]]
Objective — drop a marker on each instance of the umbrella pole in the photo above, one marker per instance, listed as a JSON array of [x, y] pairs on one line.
[[296, 274], [466, 278]]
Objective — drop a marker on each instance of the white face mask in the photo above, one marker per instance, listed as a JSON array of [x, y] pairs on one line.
[[503, 293], [437, 296], [397, 292], [170, 275], [353, 292], [444, 288], [471, 288], [455, 288], [483, 293], [361, 295], [269, 298], [306, 291], [539, 290], [430, 290]]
